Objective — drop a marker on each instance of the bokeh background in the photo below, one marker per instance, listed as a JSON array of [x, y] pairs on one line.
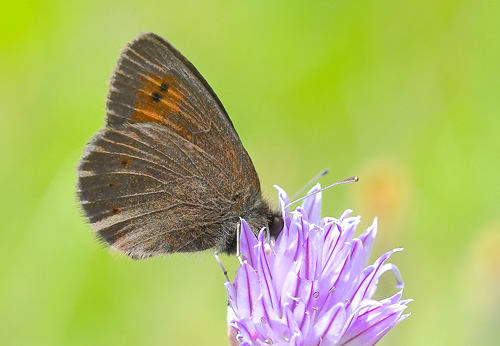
[[403, 94]]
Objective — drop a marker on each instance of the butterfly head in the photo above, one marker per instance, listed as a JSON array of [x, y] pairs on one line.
[[258, 215], [275, 224]]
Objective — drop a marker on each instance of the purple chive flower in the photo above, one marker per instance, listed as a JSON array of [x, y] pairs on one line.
[[313, 287]]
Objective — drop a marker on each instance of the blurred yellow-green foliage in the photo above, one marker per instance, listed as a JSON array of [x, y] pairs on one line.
[[403, 94]]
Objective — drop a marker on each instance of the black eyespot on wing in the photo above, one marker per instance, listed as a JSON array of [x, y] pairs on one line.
[[156, 97]]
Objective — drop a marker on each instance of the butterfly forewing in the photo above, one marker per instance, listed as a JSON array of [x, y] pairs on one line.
[[153, 82]]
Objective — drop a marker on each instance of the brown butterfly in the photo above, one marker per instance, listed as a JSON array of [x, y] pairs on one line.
[[168, 172]]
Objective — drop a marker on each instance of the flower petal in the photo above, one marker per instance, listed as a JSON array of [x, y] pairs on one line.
[[312, 205], [248, 291], [283, 201], [248, 244], [369, 328], [313, 246], [368, 238], [328, 329], [265, 276]]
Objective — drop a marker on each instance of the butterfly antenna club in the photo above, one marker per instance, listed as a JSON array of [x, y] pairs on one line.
[[345, 181]]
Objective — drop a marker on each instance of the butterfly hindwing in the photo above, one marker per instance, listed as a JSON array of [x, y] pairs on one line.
[[142, 187]]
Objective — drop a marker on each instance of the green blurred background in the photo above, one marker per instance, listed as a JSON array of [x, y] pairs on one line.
[[403, 94]]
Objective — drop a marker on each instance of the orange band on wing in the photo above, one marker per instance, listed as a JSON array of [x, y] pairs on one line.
[[158, 97], [161, 100]]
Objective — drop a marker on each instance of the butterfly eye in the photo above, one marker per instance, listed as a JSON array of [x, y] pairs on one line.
[[275, 226]]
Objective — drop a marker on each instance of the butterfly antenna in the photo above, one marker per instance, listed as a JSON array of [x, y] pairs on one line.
[[224, 271], [316, 177], [345, 181]]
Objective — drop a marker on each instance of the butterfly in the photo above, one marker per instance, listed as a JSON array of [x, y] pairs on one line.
[[168, 172]]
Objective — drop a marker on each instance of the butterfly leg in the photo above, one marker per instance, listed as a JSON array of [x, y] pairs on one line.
[[224, 271], [238, 242]]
